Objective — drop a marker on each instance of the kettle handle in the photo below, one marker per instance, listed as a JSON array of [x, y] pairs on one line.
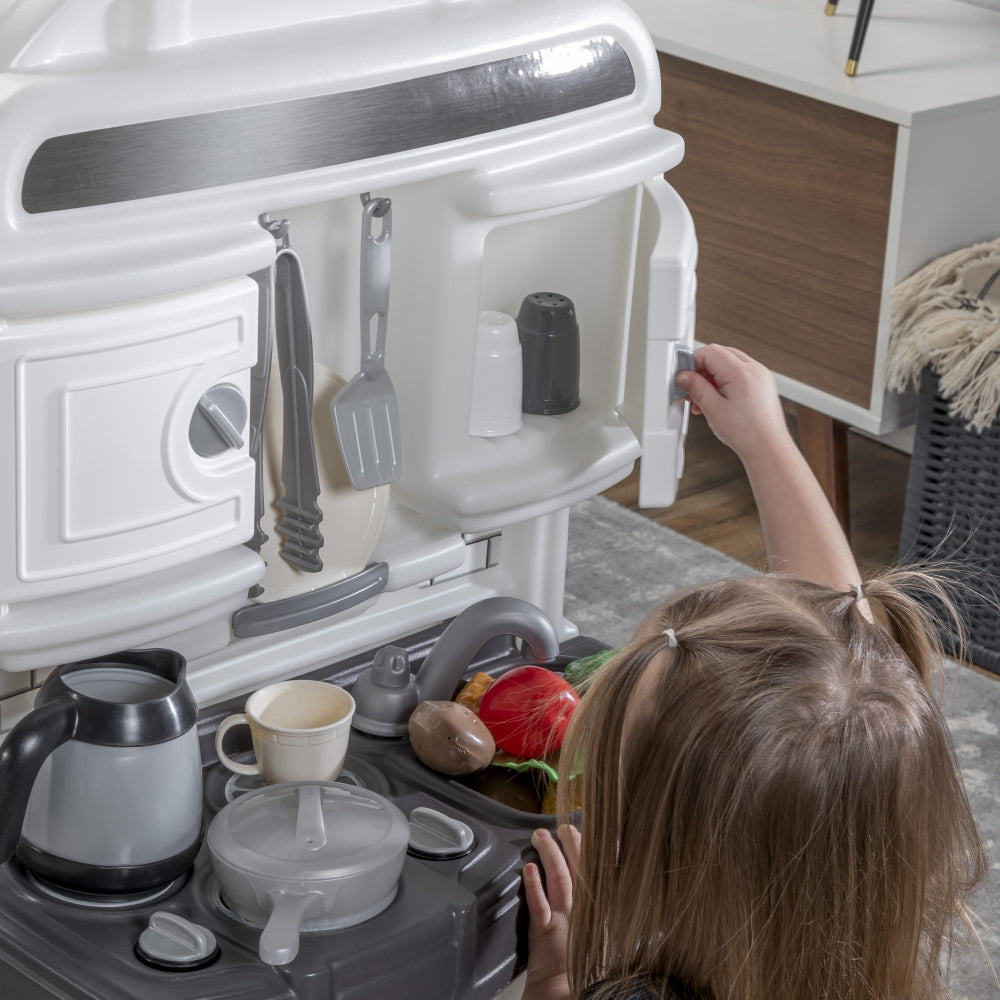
[[23, 752]]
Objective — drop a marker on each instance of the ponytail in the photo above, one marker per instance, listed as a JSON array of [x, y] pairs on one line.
[[916, 605]]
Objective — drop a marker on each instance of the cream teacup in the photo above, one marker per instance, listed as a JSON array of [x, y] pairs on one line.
[[300, 730]]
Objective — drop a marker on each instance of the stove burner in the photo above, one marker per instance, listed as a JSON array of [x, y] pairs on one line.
[[240, 784], [222, 786], [98, 900]]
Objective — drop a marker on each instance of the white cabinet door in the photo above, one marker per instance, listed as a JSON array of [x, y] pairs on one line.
[[661, 337], [106, 478]]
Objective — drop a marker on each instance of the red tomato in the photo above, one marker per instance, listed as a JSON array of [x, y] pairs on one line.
[[528, 710]]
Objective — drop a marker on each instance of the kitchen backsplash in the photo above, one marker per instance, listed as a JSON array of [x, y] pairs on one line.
[[17, 696]]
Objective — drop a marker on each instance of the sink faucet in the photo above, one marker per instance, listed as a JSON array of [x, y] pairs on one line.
[[442, 669]]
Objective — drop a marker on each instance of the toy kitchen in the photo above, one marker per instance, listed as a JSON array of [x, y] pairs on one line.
[[316, 318]]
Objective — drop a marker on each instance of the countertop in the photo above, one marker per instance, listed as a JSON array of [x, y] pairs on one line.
[[923, 60]]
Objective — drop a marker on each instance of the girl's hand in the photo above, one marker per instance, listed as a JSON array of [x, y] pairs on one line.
[[549, 907], [738, 397], [802, 534]]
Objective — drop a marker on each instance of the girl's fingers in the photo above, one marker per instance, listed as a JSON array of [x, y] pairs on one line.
[[569, 837], [558, 881], [534, 895]]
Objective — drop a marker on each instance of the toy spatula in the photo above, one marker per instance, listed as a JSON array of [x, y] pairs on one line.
[[365, 412]]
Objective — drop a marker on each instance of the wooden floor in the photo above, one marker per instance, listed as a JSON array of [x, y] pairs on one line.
[[715, 507]]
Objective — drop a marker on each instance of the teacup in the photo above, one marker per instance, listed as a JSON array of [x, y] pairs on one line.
[[300, 730]]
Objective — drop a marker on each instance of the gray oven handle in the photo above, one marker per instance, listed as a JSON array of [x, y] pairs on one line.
[[303, 609]]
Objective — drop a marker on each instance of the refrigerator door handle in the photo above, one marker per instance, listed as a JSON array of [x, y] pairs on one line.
[[661, 338]]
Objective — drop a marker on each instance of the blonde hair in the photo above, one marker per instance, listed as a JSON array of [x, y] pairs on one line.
[[772, 809]]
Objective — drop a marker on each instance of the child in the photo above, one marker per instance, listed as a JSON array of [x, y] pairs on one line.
[[771, 804]]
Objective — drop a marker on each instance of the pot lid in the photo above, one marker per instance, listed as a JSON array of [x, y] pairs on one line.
[[303, 829]]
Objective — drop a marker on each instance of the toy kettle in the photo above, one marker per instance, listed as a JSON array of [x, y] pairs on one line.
[[100, 785]]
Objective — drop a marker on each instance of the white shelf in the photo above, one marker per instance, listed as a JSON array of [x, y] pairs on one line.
[[923, 60]]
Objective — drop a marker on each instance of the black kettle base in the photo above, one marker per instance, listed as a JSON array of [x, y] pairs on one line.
[[97, 900], [104, 884]]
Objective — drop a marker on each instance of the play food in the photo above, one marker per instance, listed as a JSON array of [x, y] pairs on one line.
[[450, 738], [471, 694], [528, 710], [580, 671]]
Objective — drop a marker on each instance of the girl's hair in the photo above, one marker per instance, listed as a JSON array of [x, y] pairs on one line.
[[772, 809]]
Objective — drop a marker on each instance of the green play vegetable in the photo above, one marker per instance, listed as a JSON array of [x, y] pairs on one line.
[[581, 670]]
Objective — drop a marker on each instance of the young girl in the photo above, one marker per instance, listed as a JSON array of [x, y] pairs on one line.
[[771, 804]]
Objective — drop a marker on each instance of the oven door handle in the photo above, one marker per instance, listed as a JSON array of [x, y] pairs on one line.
[[311, 606]]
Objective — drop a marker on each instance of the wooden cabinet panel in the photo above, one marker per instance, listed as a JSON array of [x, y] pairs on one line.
[[790, 198]]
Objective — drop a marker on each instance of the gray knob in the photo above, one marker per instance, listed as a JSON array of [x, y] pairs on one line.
[[437, 836], [171, 942], [217, 422]]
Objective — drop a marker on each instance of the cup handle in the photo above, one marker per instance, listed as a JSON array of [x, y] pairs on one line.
[[224, 727]]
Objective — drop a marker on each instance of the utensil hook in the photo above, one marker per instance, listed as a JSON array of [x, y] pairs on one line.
[[278, 228], [375, 270]]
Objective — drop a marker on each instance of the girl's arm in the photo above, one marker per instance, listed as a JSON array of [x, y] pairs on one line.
[[739, 399]]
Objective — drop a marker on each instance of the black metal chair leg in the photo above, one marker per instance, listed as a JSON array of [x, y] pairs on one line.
[[858, 40]]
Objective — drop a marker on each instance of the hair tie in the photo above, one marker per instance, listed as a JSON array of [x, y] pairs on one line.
[[671, 638], [858, 592]]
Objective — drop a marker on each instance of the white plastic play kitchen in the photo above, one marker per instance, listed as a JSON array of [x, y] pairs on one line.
[[316, 318]]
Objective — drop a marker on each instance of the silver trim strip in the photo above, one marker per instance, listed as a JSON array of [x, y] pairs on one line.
[[192, 152]]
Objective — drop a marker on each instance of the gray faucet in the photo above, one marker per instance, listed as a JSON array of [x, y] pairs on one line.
[[451, 655], [387, 693]]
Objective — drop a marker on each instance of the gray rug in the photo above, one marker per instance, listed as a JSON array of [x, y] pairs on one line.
[[621, 565]]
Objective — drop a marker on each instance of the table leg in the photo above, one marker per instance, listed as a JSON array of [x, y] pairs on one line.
[[823, 441]]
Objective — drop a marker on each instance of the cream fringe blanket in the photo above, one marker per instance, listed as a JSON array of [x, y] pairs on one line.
[[947, 316]]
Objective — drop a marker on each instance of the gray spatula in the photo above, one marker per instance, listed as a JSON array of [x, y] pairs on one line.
[[365, 412]]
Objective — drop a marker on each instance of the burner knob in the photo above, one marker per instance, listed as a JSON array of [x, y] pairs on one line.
[[170, 942], [438, 837]]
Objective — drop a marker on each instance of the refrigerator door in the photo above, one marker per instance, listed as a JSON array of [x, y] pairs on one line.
[[661, 339]]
